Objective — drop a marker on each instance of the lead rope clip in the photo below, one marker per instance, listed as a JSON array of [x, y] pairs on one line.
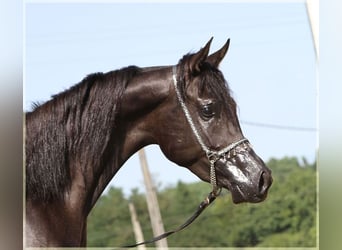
[[213, 157]]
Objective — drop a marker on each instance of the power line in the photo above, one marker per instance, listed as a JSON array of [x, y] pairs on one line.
[[276, 126]]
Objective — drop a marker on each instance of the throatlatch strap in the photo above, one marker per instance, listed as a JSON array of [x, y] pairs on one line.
[[208, 200]]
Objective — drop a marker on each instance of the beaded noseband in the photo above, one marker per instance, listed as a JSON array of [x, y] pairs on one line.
[[212, 155]]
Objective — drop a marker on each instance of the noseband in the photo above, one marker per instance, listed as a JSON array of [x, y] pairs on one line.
[[212, 155]]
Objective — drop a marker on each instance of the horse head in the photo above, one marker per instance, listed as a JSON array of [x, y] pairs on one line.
[[201, 130]]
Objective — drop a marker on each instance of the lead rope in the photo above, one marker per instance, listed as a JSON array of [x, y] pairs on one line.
[[206, 202]]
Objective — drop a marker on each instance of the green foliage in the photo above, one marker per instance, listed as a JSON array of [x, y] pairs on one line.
[[109, 221], [287, 218]]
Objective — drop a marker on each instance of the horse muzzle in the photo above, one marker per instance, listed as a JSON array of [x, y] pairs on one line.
[[245, 175]]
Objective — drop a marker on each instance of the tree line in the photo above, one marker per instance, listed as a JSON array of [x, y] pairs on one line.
[[287, 218]]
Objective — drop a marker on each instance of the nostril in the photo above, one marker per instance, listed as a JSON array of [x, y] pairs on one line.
[[261, 183], [264, 183]]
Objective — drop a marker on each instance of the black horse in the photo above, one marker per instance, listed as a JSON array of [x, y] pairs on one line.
[[77, 141]]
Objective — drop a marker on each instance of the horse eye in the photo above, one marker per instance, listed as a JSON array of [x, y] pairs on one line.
[[207, 111]]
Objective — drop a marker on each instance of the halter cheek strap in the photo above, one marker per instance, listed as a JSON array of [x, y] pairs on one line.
[[212, 155]]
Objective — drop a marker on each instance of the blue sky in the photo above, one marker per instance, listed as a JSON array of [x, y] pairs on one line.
[[270, 66]]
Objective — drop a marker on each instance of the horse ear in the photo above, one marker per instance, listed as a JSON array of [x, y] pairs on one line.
[[215, 58], [197, 59]]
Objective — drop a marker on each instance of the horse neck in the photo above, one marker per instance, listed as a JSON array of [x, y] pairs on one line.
[[135, 128], [93, 152]]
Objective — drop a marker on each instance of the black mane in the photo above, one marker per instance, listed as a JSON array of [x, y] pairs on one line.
[[79, 118]]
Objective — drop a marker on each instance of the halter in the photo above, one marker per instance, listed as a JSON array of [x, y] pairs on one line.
[[212, 155]]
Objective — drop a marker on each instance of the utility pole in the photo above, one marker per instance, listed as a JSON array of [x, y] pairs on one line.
[[139, 237], [152, 202]]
